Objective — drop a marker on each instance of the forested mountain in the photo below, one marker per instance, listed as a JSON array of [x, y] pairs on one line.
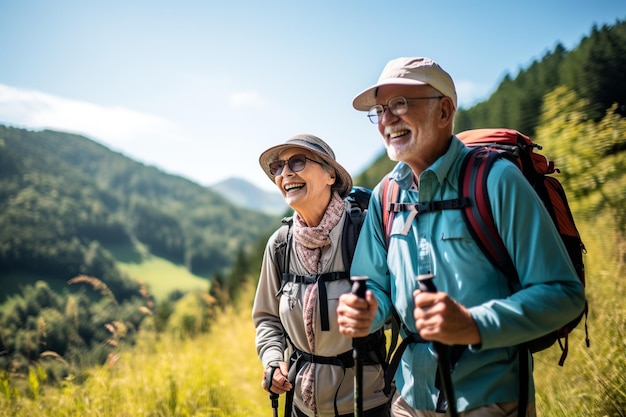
[[595, 71], [66, 201]]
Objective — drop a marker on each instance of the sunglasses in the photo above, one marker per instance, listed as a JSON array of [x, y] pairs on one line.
[[296, 164]]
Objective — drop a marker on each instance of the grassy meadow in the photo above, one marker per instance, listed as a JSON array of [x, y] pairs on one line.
[[211, 375], [219, 374], [158, 274]]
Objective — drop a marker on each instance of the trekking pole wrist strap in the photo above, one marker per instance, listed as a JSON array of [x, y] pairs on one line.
[[269, 376]]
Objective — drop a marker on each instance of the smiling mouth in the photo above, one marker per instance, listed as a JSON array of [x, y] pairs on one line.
[[293, 187], [398, 133]]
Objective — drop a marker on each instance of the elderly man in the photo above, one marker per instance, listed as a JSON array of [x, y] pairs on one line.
[[413, 105]]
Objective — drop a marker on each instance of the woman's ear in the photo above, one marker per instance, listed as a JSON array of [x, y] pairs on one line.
[[332, 175]]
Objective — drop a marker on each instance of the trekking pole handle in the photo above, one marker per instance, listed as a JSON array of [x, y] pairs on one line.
[[268, 385], [426, 283], [359, 287]]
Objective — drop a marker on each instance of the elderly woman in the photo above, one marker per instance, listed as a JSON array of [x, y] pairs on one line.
[[302, 276]]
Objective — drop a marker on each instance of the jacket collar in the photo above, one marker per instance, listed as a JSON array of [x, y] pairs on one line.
[[442, 168]]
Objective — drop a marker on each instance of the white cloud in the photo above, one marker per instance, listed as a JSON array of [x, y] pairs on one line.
[[196, 152], [114, 125]]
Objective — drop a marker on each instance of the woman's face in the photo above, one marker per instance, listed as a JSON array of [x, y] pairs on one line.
[[308, 189]]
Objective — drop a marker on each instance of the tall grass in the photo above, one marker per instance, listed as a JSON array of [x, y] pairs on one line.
[[592, 381], [219, 375], [215, 374]]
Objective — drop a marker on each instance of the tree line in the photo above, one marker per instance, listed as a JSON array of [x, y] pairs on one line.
[[592, 72]]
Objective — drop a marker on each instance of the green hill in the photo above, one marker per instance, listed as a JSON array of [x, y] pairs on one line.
[[68, 201]]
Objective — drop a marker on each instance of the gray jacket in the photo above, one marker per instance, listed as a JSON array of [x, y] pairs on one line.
[[278, 312]]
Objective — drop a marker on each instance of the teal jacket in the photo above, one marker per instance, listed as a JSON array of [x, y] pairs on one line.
[[551, 294]]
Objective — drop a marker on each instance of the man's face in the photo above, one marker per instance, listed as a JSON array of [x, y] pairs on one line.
[[412, 134]]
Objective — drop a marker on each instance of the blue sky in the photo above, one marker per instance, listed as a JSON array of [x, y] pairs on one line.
[[201, 88]]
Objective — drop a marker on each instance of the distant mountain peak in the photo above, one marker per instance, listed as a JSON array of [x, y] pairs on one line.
[[244, 194]]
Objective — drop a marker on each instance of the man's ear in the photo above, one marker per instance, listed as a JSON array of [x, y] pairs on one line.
[[447, 110]]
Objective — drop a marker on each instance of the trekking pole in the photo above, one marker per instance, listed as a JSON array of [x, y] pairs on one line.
[[441, 353], [268, 386], [358, 288], [425, 277], [274, 399]]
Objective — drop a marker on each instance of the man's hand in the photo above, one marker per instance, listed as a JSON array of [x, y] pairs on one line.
[[355, 315], [441, 319]]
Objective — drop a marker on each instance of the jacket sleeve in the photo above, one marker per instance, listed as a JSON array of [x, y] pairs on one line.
[[550, 293], [370, 259], [270, 340]]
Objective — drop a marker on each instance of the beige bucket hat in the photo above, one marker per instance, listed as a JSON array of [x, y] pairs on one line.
[[343, 183]]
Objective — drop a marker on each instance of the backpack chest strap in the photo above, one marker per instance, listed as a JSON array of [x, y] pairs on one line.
[[424, 207], [322, 297]]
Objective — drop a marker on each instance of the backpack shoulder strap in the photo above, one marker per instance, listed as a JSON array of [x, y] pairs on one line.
[[478, 216], [281, 249], [389, 195], [283, 232], [351, 230]]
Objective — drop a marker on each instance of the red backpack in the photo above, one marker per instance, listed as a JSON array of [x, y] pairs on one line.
[[487, 146]]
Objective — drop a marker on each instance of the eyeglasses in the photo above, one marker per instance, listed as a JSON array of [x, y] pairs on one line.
[[397, 106], [295, 163]]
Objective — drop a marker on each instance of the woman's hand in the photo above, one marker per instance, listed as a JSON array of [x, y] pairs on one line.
[[275, 379]]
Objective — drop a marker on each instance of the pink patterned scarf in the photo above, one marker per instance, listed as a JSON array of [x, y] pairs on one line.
[[309, 244]]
